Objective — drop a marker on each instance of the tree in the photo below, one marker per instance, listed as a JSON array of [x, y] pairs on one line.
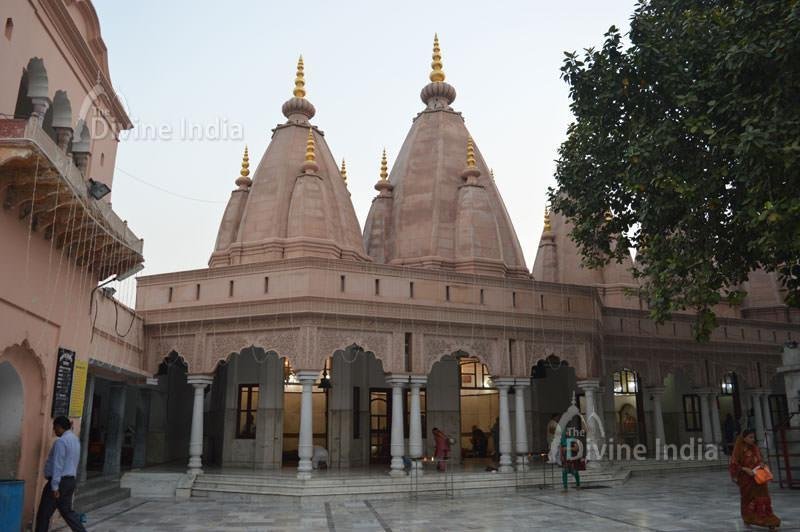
[[685, 146]]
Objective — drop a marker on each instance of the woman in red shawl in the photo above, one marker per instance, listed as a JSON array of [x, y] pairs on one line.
[[442, 451], [756, 504]]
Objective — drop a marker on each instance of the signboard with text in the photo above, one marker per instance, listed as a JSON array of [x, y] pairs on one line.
[[78, 388], [62, 386]]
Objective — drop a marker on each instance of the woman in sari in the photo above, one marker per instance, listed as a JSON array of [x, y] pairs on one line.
[[442, 450], [755, 501]]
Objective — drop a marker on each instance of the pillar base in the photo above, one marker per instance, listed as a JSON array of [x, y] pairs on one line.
[[303, 475], [522, 463]]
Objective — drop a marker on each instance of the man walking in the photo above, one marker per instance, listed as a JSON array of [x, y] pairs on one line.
[[60, 471]]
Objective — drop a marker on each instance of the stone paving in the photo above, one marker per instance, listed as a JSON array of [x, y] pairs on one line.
[[698, 501]]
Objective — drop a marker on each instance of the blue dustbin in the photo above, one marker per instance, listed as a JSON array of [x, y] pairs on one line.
[[12, 495]]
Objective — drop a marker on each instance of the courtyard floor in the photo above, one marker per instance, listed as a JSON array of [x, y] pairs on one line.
[[697, 501]]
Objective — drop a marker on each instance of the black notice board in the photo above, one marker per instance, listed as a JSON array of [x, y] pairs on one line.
[[62, 389]]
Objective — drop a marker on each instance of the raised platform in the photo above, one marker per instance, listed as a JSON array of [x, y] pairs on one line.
[[246, 485]]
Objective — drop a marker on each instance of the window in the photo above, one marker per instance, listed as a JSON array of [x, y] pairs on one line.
[[778, 410], [230, 288], [447, 293], [474, 374], [569, 305], [625, 382], [482, 298], [9, 27], [377, 287], [727, 386], [407, 350], [691, 412], [513, 299], [197, 291], [411, 289], [341, 283], [541, 301], [511, 355], [266, 285], [247, 411], [169, 295]]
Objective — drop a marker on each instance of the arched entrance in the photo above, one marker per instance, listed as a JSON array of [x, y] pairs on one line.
[[11, 410], [553, 383], [292, 396]]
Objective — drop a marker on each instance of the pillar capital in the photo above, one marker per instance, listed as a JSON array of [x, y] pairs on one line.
[[417, 380], [589, 385], [656, 391], [522, 382], [307, 375], [704, 391], [198, 380], [397, 379], [503, 383]]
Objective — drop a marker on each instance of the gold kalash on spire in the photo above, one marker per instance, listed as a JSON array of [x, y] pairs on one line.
[[547, 223], [384, 166], [437, 74], [244, 181], [343, 171], [299, 80]]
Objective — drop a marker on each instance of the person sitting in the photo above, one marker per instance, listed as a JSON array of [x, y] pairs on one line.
[[479, 442]]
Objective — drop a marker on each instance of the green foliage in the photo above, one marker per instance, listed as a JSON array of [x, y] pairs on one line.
[[690, 137]]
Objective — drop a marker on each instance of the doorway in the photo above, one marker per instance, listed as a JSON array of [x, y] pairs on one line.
[[11, 405], [479, 402]]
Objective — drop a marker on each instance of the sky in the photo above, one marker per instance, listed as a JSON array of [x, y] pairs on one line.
[[201, 79]]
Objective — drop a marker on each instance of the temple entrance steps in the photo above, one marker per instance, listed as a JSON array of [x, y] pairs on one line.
[[98, 492], [257, 487], [650, 466]]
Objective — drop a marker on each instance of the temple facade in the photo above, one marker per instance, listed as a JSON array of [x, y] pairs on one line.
[[305, 332]]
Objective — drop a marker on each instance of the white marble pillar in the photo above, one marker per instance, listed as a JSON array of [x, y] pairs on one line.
[[657, 394], [521, 424], [503, 384], [790, 371], [398, 439], [196, 438], [305, 444], [86, 426], [591, 389], [716, 426], [705, 415], [415, 423]]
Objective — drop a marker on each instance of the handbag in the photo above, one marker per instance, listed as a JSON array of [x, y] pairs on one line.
[[762, 474]]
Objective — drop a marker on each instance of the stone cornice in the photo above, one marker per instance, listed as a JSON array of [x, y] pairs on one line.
[[617, 312], [369, 310], [655, 344]]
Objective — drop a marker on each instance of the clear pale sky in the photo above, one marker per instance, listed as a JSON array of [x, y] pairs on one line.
[[232, 64]]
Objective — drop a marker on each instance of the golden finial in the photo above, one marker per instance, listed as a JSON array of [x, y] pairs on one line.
[[344, 172], [245, 164], [384, 166], [310, 156], [470, 153], [299, 81], [437, 74], [547, 225]]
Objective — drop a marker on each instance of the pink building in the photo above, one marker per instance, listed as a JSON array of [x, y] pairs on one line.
[[305, 331]]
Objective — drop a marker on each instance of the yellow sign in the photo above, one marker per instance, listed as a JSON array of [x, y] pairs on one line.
[[78, 388]]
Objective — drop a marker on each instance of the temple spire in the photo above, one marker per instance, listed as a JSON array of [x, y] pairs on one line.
[[244, 181], [299, 80], [297, 108], [437, 74], [344, 172], [384, 166], [310, 164], [438, 94], [548, 226], [471, 173], [470, 153]]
